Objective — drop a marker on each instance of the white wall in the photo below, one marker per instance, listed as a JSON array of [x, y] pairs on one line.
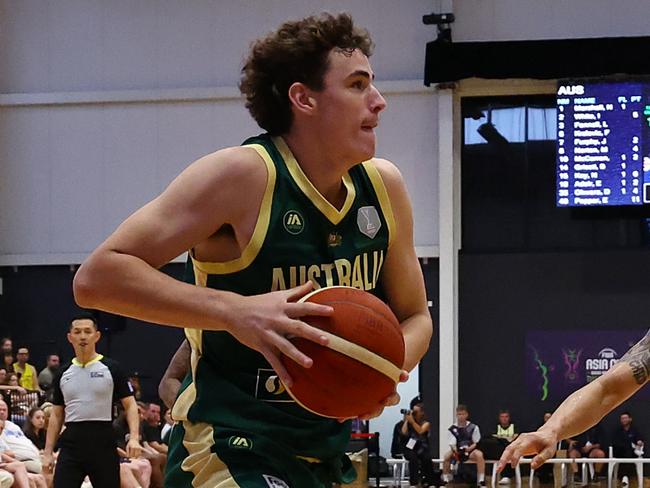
[[385, 423], [501, 20], [102, 103]]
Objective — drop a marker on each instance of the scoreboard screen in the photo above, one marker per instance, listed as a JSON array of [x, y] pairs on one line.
[[603, 138]]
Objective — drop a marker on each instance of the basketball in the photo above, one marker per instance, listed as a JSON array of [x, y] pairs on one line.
[[362, 362]]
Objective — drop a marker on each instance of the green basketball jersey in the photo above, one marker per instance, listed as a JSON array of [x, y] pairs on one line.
[[299, 236]]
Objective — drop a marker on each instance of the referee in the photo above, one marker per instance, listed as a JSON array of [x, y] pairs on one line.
[[83, 395]]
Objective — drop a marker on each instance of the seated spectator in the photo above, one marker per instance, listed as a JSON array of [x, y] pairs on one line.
[[152, 428], [18, 470], [9, 381], [13, 395], [34, 427], [415, 429], [8, 360], [28, 376], [399, 440], [464, 437], [492, 447], [21, 448], [588, 445], [152, 457], [545, 471], [46, 376], [166, 430], [19, 400], [625, 441], [6, 346]]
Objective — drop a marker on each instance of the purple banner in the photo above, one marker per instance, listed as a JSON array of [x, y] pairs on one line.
[[560, 362]]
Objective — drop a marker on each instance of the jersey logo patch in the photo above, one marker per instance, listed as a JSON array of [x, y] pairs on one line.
[[274, 482], [334, 239], [293, 222], [368, 221], [269, 388], [96, 374], [237, 442]]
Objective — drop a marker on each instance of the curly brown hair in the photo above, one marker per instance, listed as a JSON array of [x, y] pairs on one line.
[[297, 52]]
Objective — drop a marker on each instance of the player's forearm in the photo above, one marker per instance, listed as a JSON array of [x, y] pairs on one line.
[[592, 402], [417, 330], [127, 285]]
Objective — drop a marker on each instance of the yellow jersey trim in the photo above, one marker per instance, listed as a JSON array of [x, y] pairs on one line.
[[382, 195], [194, 337], [310, 191], [97, 358], [253, 247], [208, 469]]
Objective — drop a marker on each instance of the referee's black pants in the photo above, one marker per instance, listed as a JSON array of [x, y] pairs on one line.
[[87, 449]]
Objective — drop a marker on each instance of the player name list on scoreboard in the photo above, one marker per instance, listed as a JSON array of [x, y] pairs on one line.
[[599, 152]]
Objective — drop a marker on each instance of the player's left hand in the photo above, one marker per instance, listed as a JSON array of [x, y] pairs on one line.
[[389, 401], [133, 448]]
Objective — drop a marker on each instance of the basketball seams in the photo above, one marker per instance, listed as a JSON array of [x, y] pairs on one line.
[[358, 331], [396, 327]]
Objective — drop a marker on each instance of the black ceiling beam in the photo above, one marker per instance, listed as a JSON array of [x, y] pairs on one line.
[[541, 59]]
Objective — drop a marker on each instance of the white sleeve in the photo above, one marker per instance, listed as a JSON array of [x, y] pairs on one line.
[[451, 439], [476, 435]]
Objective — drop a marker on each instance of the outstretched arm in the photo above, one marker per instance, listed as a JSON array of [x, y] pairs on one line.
[[585, 407]]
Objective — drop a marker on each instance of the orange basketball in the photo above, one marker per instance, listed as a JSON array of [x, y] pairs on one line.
[[362, 362]]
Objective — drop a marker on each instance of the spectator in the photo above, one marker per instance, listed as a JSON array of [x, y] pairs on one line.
[[415, 428], [545, 471], [14, 396], [588, 445], [463, 439], [167, 428], [8, 361], [28, 376], [34, 427], [399, 440], [46, 376], [148, 464], [9, 381], [22, 448], [157, 459], [6, 346], [10, 466], [625, 441], [492, 447], [151, 428]]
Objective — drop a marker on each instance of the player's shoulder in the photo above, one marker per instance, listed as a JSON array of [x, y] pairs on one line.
[[392, 179], [232, 163], [390, 175]]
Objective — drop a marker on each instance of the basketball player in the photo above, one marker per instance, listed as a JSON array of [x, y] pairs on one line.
[[584, 408], [304, 205]]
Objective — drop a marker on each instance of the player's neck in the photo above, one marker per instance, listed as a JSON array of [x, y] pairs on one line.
[[322, 169]]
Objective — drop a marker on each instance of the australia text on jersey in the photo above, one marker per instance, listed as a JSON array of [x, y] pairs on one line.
[[362, 273]]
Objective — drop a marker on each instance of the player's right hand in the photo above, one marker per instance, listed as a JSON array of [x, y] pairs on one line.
[[542, 443], [267, 322]]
